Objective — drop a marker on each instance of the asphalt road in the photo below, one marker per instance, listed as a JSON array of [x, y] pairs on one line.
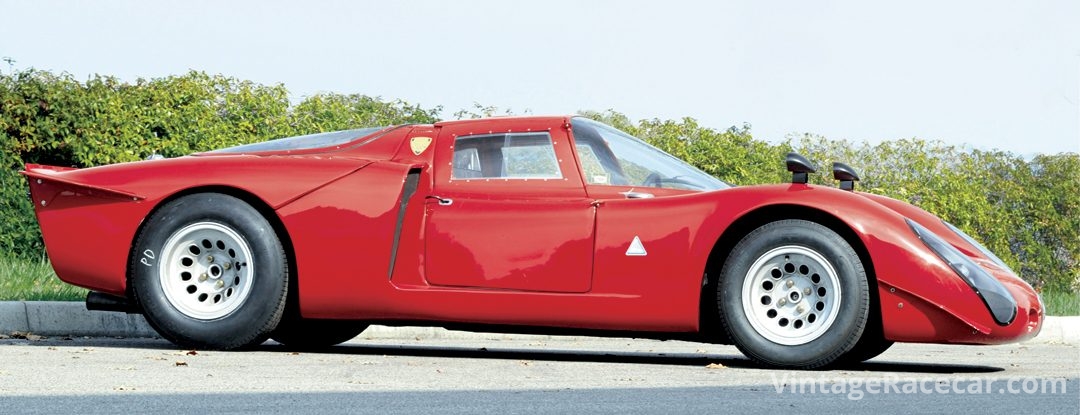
[[524, 375]]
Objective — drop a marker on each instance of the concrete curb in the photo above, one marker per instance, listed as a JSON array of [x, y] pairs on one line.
[[69, 318], [1059, 330]]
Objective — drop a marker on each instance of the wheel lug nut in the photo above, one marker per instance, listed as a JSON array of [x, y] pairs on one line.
[[800, 309], [806, 291], [229, 265], [210, 259], [781, 302], [221, 283], [203, 277], [790, 283]]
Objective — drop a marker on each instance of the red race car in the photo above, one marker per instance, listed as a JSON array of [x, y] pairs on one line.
[[519, 224]]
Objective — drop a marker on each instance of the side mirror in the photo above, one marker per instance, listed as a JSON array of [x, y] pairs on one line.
[[799, 167], [846, 175]]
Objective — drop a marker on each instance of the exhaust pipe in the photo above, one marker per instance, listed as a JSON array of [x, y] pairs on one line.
[[96, 301]]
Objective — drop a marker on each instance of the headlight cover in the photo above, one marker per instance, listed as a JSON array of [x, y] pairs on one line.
[[1001, 304], [979, 246]]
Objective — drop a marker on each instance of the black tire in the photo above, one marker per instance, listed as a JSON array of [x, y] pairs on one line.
[[806, 292], [871, 344], [209, 272], [311, 334]]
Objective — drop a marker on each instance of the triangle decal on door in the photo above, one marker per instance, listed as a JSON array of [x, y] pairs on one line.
[[636, 248]]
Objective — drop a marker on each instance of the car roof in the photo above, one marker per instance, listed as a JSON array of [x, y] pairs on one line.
[[505, 119]]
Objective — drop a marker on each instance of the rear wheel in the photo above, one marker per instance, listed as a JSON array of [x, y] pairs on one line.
[[793, 293], [309, 334], [209, 272]]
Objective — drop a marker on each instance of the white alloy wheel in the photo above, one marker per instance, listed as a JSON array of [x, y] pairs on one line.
[[791, 295], [205, 270]]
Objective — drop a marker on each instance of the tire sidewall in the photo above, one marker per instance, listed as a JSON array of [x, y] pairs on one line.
[[261, 309], [852, 308]]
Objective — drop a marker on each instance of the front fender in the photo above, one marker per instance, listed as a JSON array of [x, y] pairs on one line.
[[921, 297]]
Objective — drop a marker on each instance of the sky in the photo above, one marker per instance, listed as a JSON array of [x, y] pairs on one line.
[[991, 74]]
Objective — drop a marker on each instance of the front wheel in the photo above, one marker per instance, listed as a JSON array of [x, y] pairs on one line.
[[872, 344], [209, 272], [793, 293]]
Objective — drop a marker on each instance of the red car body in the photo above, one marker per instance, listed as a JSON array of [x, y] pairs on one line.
[[533, 253]]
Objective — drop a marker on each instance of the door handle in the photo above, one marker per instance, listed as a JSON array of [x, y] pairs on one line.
[[637, 195], [442, 201]]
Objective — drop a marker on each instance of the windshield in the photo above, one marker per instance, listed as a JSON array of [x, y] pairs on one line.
[[303, 142], [612, 157]]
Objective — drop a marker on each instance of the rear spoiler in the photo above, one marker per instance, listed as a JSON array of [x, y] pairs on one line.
[[40, 173]]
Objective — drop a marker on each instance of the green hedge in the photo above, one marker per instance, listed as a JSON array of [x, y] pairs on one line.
[[1025, 210], [55, 119]]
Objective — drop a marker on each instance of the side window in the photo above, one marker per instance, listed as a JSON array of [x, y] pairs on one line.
[[612, 157], [466, 163], [505, 156], [591, 166]]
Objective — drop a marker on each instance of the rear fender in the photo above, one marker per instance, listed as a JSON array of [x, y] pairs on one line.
[[90, 217]]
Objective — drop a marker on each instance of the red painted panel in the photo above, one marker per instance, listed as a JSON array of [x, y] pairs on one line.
[[667, 279], [88, 238], [342, 235], [533, 245]]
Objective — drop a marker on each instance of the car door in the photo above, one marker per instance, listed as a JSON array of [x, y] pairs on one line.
[[508, 209]]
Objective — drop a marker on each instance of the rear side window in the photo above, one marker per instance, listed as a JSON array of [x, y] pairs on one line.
[[505, 156], [304, 142]]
